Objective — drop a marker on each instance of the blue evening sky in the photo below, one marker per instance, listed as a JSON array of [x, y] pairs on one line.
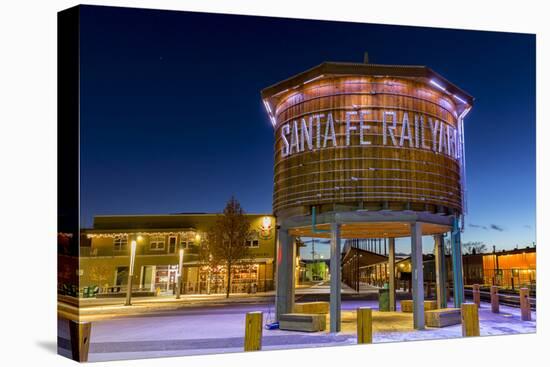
[[172, 120]]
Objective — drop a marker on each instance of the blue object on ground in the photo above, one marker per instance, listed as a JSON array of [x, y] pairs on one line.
[[272, 325]]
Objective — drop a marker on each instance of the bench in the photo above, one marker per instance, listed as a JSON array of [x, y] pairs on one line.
[[312, 307], [443, 317], [302, 322], [407, 305], [430, 305]]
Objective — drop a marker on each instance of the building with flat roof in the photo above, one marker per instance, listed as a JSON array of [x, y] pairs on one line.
[[507, 269], [105, 255]]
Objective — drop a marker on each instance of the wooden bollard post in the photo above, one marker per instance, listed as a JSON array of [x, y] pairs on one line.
[[253, 331], [524, 304], [364, 325], [80, 339], [475, 294], [470, 319], [495, 308]]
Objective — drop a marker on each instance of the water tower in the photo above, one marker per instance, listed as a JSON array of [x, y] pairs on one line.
[[368, 151]]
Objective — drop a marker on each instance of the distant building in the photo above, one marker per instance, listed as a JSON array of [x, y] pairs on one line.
[[507, 268], [314, 270], [105, 255]]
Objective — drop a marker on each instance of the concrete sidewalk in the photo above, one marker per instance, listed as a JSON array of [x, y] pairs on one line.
[[150, 305], [85, 309], [220, 329]]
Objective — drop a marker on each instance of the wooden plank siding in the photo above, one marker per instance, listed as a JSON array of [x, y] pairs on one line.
[[376, 176]]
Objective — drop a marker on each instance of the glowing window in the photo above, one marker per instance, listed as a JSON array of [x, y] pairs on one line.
[[120, 243], [157, 243]]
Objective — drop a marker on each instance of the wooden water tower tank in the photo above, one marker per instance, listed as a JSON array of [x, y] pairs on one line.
[[359, 136]]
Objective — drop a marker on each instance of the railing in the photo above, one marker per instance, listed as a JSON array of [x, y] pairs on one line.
[[87, 251], [97, 291], [504, 278], [510, 278], [506, 296], [203, 287]]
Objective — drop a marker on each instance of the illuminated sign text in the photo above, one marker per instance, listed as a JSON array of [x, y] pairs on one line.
[[412, 130]]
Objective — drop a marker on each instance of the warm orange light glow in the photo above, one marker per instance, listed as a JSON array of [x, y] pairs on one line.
[[511, 261], [266, 222]]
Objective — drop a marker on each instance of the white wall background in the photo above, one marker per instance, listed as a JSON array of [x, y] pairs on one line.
[[28, 178]]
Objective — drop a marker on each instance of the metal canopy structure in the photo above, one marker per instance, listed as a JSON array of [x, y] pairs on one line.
[[368, 224]]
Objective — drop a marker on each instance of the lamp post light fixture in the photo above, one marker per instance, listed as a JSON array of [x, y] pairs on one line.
[[266, 222], [180, 272], [133, 246]]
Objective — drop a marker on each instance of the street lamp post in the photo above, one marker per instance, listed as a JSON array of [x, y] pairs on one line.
[[131, 272], [209, 274], [180, 272]]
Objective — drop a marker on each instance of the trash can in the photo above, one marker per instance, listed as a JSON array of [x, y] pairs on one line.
[[384, 298]]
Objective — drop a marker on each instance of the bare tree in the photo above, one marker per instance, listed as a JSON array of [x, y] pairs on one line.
[[207, 259], [100, 273], [474, 247], [226, 240]]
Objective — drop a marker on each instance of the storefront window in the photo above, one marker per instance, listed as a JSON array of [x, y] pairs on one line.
[[165, 277], [122, 275]]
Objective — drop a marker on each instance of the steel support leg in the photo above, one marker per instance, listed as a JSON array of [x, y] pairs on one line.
[[335, 274], [417, 276], [440, 271], [456, 252], [391, 265], [284, 297]]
